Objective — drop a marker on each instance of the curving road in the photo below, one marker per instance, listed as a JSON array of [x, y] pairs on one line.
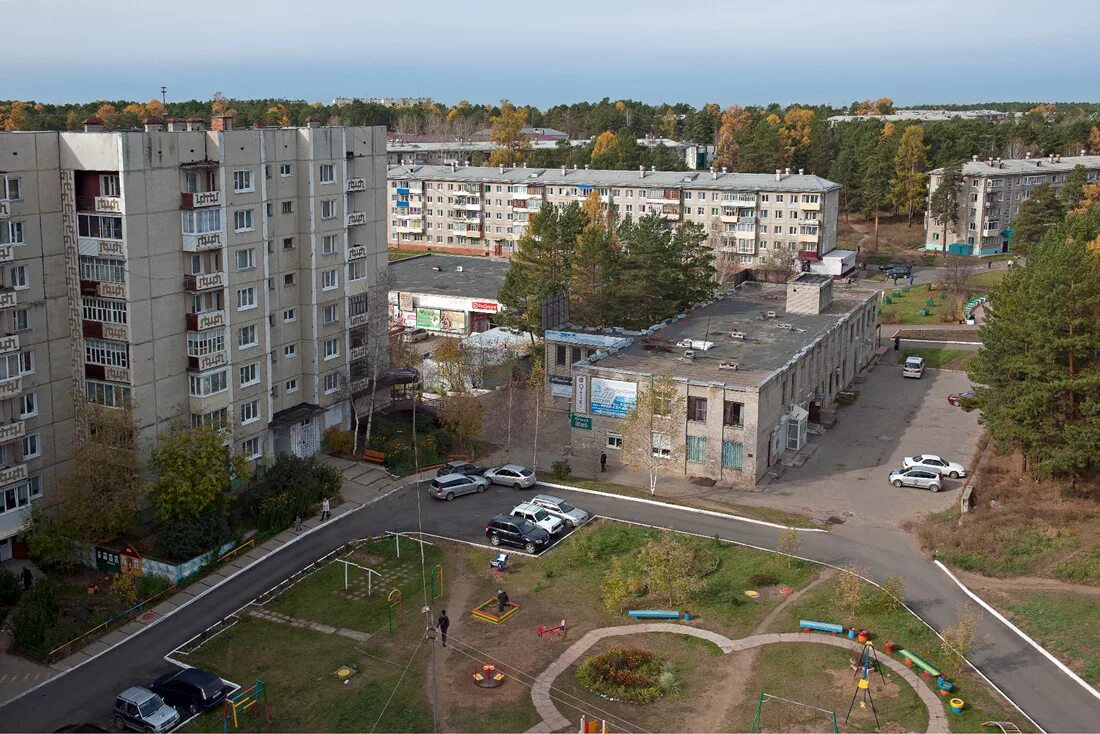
[[85, 694]]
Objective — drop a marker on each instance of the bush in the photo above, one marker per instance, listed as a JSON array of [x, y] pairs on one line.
[[35, 615], [444, 441], [561, 469], [625, 674], [184, 539], [338, 442], [10, 588], [289, 488], [763, 579]]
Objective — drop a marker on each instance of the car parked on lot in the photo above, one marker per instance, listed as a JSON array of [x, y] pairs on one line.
[[449, 486], [922, 478], [411, 336], [913, 367], [572, 516], [511, 475], [458, 467], [142, 710], [539, 516], [894, 265], [191, 690], [508, 530], [899, 271], [956, 398], [935, 463]]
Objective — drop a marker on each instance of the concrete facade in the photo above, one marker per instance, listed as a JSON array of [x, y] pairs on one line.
[[206, 276]]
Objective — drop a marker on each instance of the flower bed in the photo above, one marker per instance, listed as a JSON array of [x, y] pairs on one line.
[[627, 674]]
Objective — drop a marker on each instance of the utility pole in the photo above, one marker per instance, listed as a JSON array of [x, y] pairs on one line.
[[164, 94]]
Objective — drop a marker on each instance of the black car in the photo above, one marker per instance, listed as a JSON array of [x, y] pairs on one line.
[[458, 467], [895, 265], [901, 271], [508, 530], [191, 690]]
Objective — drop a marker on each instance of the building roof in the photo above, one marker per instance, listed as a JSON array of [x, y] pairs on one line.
[[481, 277], [768, 344], [924, 116], [628, 179], [1031, 166]]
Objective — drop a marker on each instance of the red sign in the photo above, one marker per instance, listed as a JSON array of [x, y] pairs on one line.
[[490, 306]]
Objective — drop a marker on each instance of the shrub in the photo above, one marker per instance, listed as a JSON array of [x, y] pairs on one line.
[[35, 615], [289, 487], [763, 579], [625, 674], [338, 442], [444, 441], [185, 538], [10, 588], [561, 469], [151, 584]]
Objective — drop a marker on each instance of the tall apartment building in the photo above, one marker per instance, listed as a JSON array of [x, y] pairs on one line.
[[991, 197], [212, 276], [484, 210]]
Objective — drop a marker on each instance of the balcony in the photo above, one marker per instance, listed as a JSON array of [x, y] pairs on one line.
[[207, 361], [5, 209], [811, 206], [9, 344], [204, 281], [357, 287], [356, 184], [200, 199], [209, 404], [203, 242], [359, 319], [103, 289], [101, 330], [355, 353], [107, 372], [356, 218], [808, 255], [739, 201], [729, 218], [99, 247], [408, 227], [988, 231], [99, 204], [472, 206], [205, 320], [13, 474], [814, 222], [11, 388], [12, 431], [8, 299], [808, 238], [409, 214], [7, 253]]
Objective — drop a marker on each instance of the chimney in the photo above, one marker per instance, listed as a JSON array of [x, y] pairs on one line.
[[574, 166], [713, 173], [653, 169], [586, 166], [177, 124], [989, 161], [257, 126], [500, 169], [221, 123], [641, 171], [1083, 152], [196, 124], [801, 171], [454, 167], [313, 121], [1058, 158], [786, 172], [563, 169], [1027, 156], [723, 169], [778, 174], [974, 158], [93, 125], [466, 163], [153, 124]]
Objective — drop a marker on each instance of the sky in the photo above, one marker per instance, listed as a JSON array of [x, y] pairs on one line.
[[544, 52]]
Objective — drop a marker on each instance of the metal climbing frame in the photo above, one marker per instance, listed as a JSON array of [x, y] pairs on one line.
[[778, 726]]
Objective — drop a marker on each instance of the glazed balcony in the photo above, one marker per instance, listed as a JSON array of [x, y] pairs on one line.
[[204, 282], [205, 320], [200, 199]]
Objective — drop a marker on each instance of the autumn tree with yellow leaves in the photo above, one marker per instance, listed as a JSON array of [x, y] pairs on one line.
[[507, 132], [735, 121]]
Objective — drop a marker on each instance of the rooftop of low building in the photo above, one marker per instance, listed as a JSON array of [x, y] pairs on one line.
[[1037, 165], [461, 276]]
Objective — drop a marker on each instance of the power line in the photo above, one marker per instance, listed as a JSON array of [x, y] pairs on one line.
[[398, 685]]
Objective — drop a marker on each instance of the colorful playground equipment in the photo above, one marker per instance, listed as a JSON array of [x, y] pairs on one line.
[[487, 611], [653, 614], [552, 632], [808, 625], [1006, 727], [911, 659], [593, 726], [863, 671], [500, 563], [487, 676], [957, 705], [243, 700]]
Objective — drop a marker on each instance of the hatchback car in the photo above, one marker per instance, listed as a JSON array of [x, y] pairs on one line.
[[508, 530], [956, 398], [511, 475], [935, 463], [539, 516], [458, 467], [896, 264], [142, 710], [913, 367], [556, 506], [412, 336], [450, 486], [922, 478], [191, 690]]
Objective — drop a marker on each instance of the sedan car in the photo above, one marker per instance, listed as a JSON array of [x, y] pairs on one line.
[[191, 690], [511, 475], [572, 516], [458, 467], [450, 486], [508, 530], [936, 464], [922, 478], [956, 398]]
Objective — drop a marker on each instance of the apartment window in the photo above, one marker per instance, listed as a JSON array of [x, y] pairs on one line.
[[733, 414], [697, 409], [249, 374], [20, 320], [107, 353], [357, 270], [28, 405], [292, 385], [102, 309], [662, 404], [614, 441], [328, 280], [732, 454], [10, 189], [246, 337], [289, 315], [242, 181], [332, 348], [327, 173], [242, 220], [328, 208], [107, 394], [199, 221], [329, 314], [329, 244], [696, 449], [332, 382], [285, 169], [661, 445], [290, 350], [246, 298], [216, 419], [32, 446], [250, 412], [18, 497], [288, 243], [210, 383], [102, 269], [246, 259], [209, 341]]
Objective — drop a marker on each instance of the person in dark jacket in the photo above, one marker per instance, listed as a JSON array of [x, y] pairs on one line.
[[442, 624], [502, 600]]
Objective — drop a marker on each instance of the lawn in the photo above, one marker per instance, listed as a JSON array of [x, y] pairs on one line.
[[1064, 623], [396, 254], [941, 358], [987, 278], [910, 305]]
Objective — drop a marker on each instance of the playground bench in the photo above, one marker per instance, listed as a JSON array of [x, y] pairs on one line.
[[808, 625], [375, 457], [911, 658]]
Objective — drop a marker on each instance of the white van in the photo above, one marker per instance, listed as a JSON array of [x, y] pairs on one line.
[[913, 367]]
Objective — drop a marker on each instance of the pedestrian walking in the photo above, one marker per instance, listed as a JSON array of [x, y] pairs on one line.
[[911, 279], [442, 624], [326, 512], [897, 343], [989, 265], [502, 600], [28, 579], [298, 524], [603, 461]]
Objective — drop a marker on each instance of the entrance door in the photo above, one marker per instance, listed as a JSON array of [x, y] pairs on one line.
[[305, 438]]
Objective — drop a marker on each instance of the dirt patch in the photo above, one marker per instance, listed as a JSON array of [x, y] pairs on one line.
[[941, 335], [895, 237]]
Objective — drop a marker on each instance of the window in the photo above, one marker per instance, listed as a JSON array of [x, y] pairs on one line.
[[242, 181], [246, 259], [328, 208], [732, 453], [242, 220], [18, 496], [289, 316], [328, 244], [357, 270], [332, 382], [662, 405], [661, 445], [9, 188], [615, 441], [288, 279], [102, 269], [19, 277], [218, 419], [11, 233], [288, 243], [288, 207], [201, 343], [696, 450], [733, 414], [246, 298], [107, 353], [330, 314], [200, 221], [28, 405], [249, 374], [328, 280], [560, 355], [250, 412], [107, 394], [210, 383], [251, 448], [290, 350], [102, 309], [20, 320], [332, 348], [697, 409], [246, 337], [285, 169], [327, 173], [292, 386], [32, 446]]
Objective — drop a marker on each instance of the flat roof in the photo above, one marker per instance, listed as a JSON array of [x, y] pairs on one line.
[[481, 277], [1030, 166], [769, 343], [626, 179]]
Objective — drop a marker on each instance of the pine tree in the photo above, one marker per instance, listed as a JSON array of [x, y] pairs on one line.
[[1073, 188], [909, 186], [876, 184], [944, 204], [593, 291], [1041, 211]]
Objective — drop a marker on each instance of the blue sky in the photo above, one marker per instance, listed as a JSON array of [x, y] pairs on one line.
[[731, 51]]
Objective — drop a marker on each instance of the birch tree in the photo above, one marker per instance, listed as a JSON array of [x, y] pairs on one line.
[[649, 442]]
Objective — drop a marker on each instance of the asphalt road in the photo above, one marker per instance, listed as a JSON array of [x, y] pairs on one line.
[[86, 693]]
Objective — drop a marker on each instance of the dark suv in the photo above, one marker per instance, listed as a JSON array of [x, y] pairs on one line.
[[508, 530], [191, 690]]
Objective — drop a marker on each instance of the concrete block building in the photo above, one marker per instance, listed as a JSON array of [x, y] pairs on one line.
[[217, 276]]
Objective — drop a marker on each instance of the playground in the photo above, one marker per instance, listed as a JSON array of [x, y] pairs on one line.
[[329, 659]]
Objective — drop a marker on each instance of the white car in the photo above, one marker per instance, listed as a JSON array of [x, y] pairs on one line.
[[916, 477], [539, 516], [935, 463], [913, 367], [511, 475]]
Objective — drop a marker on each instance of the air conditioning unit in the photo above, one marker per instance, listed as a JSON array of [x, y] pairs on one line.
[[727, 366], [737, 335], [785, 326], [689, 355]]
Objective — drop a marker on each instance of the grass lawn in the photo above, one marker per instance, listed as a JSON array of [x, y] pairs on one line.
[[1064, 623], [942, 358], [506, 717], [907, 302], [402, 254], [987, 278]]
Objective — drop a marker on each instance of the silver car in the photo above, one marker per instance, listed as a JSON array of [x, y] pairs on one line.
[[917, 477], [449, 486], [511, 475], [572, 516]]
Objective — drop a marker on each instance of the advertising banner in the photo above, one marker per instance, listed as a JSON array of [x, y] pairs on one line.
[[580, 394], [428, 318], [561, 387], [614, 398], [453, 321]]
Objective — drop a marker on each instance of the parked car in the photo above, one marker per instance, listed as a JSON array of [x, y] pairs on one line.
[[458, 467], [191, 690], [893, 266], [913, 367], [142, 710], [900, 271], [922, 478], [511, 475], [508, 530], [539, 516], [449, 486], [956, 398], [935, 463], [411, 336], [556, 506]]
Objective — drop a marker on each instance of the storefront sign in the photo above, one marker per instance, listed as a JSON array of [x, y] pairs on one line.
[[580, 394], [561, 387], [615, 398], [485, 306], [580, 421]]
